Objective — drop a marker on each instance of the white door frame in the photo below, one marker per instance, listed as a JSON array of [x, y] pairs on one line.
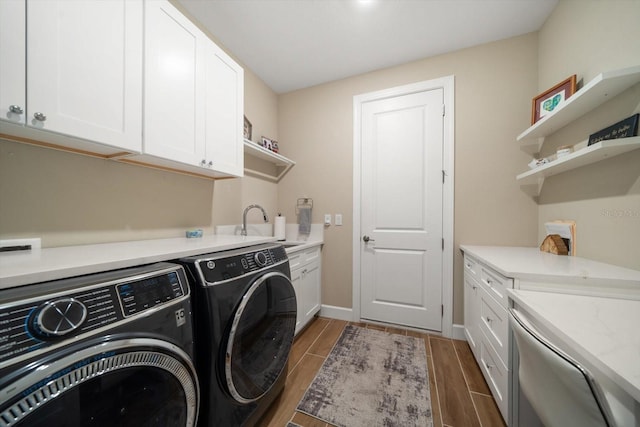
[[447, 84]]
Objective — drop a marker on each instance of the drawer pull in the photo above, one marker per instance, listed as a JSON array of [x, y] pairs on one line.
[[489, 320], [489, 367]]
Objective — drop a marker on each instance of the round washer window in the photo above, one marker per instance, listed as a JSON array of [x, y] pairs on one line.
[[260, 338], [114, 386]]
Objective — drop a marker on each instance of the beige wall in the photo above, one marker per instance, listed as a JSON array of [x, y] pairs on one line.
[[586, 38], [493, 85]]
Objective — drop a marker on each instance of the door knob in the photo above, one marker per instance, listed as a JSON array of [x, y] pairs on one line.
[[367, 239]]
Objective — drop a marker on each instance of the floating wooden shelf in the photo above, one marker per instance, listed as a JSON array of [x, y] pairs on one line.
[[601, 89], [282, 163], [532, 180]]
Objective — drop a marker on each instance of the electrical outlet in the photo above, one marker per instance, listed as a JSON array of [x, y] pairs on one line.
[[338, 219], [327, 219]]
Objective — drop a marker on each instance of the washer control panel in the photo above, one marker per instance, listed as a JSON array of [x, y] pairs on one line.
[[220, 269], [36, 323]]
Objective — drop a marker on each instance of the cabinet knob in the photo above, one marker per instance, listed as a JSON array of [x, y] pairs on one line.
[[39, 117], [203, 162], [210, 164], [16, 109]]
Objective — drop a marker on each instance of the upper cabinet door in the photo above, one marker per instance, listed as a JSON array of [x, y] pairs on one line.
[[174, 82], [225, 112], [12, 61], [84, 74]]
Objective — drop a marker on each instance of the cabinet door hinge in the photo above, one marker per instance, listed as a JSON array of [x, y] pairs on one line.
[[444, 109], [443, 243], [442, 310], [443, 175]]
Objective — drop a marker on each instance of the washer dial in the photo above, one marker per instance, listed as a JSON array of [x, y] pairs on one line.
[[261, 259], [59, 317]]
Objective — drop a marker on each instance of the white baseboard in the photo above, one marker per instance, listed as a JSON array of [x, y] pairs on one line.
[[338, 313], [342, 313], [458, 332]]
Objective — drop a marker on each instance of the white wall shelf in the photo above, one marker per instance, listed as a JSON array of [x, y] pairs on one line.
[[532, 181], [602, 88], [282, 163]]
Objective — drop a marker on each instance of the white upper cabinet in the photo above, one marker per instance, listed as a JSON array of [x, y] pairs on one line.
[[13, 95], [225, 112], [174, 78], [194, 98], [83, 69]]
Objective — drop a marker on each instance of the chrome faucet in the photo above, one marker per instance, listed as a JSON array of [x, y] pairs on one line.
[[244, 217]]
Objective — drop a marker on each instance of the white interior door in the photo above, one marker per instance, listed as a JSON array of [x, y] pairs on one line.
[[401, 221]]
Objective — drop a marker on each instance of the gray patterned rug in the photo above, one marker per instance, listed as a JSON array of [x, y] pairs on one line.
[[371, 378]]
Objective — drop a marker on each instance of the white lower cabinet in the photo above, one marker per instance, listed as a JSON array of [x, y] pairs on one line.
[[486, 326], [306, 278]]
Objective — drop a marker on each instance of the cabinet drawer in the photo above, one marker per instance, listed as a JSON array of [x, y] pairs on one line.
[[296, 260], [303, 257], [496, 285], [494, 322], [496, 374], [472, 292], [471, 267], [312, 254]]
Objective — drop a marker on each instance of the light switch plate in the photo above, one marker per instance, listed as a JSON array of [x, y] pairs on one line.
[[338, 219], [327, 219]]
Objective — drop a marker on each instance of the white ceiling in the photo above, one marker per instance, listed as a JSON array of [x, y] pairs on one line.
[[293, 44]]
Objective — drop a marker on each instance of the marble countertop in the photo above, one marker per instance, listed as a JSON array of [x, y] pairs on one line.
[[603, 331], [532, 265], [39, 265]]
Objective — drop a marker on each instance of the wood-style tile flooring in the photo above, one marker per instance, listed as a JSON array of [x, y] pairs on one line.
[[459, 395]]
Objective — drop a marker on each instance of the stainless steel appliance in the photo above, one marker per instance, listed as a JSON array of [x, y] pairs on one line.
[[244, 320], [109, 349]]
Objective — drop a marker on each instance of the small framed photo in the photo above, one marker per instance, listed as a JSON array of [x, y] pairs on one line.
[[548, 101], [247, 129], [266, 143], [269, 144]]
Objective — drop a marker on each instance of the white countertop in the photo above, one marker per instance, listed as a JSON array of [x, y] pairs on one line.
[[603, 331], [532, 265], [39, 265]]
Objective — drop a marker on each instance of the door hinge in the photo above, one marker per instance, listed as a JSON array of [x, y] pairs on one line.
[[444, 109], [442, 310], [443, 243], [443, 175]]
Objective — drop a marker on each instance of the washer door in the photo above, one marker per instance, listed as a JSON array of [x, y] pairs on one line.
[[260, 337], [136, 382]]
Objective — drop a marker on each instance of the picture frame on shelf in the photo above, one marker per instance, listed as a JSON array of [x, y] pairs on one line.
[[549, 100], [269, 144], [247, 129]]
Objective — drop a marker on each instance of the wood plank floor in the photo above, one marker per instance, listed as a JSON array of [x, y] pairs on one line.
[[459, 395]]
